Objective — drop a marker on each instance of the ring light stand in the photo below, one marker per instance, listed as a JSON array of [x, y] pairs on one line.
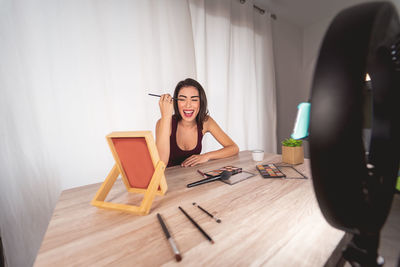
[[361, 39]]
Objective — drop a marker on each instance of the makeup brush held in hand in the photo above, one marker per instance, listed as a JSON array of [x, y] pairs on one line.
[[160, 96]]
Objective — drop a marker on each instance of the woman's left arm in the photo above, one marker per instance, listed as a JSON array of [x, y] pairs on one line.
[[229, 147]]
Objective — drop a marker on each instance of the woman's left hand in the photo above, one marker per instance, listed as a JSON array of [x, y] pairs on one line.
[[194, 160]]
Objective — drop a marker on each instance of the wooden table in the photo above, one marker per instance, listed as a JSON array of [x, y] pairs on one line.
[[268, 222]]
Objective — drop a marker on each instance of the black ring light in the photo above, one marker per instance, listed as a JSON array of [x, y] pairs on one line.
[[355, 191]]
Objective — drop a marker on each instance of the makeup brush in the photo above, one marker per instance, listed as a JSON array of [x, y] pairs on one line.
[[171, 241], [225, 175], [160, 96], [206, 212], [197, 225]]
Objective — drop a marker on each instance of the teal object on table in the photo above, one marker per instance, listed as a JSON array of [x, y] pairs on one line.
[[300, 130]]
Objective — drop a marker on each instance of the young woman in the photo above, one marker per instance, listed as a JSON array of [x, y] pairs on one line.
[[179, 135]]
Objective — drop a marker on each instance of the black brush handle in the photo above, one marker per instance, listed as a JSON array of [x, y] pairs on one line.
[[197, 226], [163, 226], [160, 96], [223, 176], [209, 214], [206, 180]]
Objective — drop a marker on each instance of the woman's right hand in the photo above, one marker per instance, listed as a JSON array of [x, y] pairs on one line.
[[166, 105]]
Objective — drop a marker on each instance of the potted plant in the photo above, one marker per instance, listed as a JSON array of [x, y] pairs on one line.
[[292, 151]]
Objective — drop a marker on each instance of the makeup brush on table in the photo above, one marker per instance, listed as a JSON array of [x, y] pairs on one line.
[[197, 225], [171, 241], [206, 212], [225, 175]]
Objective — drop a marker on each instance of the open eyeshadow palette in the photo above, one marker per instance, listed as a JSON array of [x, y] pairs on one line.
[[269, 171], [273, 171], [232, 169], [238, 174]]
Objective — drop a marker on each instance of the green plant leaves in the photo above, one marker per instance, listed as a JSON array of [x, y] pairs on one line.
[[292, 142]]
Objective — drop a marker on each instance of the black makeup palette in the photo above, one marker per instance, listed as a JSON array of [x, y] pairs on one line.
[[269, 171]]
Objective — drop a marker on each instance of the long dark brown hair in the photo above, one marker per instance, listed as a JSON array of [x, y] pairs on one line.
[[203, 112]]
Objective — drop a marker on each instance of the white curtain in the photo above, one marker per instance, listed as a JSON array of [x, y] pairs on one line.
[[73, 71], [234, 62]]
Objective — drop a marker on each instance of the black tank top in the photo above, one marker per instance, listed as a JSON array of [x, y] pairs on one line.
[[177, 155]]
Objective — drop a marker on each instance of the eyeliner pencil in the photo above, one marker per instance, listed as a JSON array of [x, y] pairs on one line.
[[160, 96], [171, 241], [197, 226]]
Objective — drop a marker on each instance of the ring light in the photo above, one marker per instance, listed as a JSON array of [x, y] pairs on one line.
[[355, 187]]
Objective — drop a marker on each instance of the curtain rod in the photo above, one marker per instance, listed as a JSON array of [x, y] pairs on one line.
[[259, 9]]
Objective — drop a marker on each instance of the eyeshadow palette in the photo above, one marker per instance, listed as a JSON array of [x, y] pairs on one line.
[[233, 170], [269, 171]]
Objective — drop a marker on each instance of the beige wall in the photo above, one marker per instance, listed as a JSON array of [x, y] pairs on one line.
[[289, 77], [296, 51]]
